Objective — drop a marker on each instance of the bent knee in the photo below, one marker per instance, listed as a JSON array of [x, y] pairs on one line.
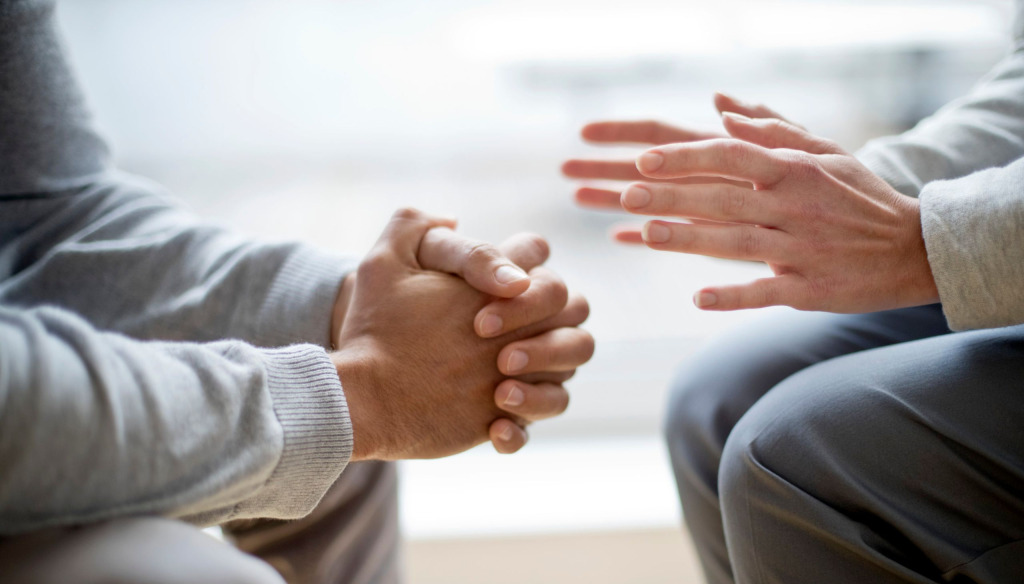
[[815, 433]]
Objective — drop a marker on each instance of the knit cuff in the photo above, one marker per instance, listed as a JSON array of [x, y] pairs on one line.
[[310, 405], [971, 237]]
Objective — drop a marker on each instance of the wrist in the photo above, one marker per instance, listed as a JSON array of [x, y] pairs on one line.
[[922, 280], [356, 376], [341, 304]]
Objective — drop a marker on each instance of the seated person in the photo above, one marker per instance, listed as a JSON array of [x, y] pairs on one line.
[[878, 437], [157, 373]]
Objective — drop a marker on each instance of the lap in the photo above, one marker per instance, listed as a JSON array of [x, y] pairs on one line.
[[719, 383], [920, 442]]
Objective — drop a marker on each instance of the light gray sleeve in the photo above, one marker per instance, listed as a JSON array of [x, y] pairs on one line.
[[95, 425], [964, 164], [128, 258], [982, 130], [974, 234]]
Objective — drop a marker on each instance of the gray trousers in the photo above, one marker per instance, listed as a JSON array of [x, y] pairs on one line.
[[351, 538], [812, 447]]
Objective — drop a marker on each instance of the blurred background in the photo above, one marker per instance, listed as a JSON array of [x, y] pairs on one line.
[[314, 119]]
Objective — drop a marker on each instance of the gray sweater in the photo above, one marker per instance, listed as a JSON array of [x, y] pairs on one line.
[[117, 394]]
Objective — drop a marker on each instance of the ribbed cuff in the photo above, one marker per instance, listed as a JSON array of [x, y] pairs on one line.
[[300, 301], [310, 405]]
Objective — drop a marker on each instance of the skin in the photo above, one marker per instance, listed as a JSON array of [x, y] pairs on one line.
[[836, 236], [414, 293]]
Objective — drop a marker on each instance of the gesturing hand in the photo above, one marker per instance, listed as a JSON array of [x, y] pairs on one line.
[[419, 379], [650, 133], [837, 237]]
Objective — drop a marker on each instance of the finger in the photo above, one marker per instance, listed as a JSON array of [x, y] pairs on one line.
[[628, 234], [547, 297], [787, 290], [404, 231], [560, 349], [599, 198], [733, 159], [601, 169], [481, 264], [721, 203], [547, 376], [531, 402], [506, 436], [727, 103], [737, 242], [641, 132], [526, 250], [625, 170], [776, 133]]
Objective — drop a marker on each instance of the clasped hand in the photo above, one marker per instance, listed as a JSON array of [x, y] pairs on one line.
[[443, 341], [836, 236]]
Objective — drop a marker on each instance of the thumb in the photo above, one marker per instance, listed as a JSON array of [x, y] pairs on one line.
[[727, 103], [402, 235], [776, 133]]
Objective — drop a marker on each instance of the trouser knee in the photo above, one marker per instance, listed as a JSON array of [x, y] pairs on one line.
[[129, 551]]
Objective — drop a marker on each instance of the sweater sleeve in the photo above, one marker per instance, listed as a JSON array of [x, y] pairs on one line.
[[96, 425], [974, 234], [982, 130], [129, 259]]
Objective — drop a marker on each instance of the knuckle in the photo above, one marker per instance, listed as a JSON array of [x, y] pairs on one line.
[[373, 265], [579, 307], [407, 213], [823, 288], [731, 203], [480, 252], [562, 401], [802, 165], [734, 150], [777, 128], [769, 295], [540, 245], [553, 289], [587, 345], [749, 243]]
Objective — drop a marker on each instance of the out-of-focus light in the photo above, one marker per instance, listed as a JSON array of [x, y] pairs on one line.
[[509, 32]]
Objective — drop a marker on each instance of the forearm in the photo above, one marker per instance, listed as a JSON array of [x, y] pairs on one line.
[[127, 258], [982, 130], [95, 425]]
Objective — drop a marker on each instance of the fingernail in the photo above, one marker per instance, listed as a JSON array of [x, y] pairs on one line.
[[491, 324], [516, 397], [650, 161], [509, 274], [636, 196], [517, 360], [656, 233], [735, 116], [705, 299], [506, 434]]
